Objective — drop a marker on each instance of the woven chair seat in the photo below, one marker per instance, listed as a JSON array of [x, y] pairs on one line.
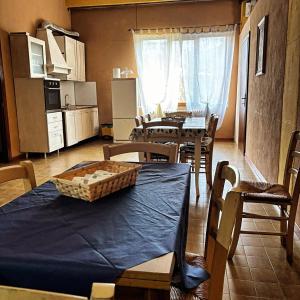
[[264, 192], [189, 148], [200, 292]]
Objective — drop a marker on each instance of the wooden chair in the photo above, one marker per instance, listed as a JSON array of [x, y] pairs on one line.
[[169, 151], [166, 131], [100, 291], [187, 151], [218, 236], [276, 194], [139, 120], [179, 114], [23, 171]]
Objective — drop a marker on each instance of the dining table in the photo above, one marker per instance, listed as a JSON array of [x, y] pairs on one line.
[[193, 131], [135, 237]]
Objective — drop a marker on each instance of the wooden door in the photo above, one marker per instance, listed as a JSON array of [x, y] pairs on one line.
[[3, 119], [243, 87]]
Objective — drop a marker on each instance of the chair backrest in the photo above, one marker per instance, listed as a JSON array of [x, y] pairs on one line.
[[100, 291], [23, 171], [212, 125], [169, 151], [139, 120], [292, 167], [211, 130], [179, 114], [147, 117], [165, 131], [220, 225]]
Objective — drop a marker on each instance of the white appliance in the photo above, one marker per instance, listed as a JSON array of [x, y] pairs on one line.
[[85, 93], [124, 107]]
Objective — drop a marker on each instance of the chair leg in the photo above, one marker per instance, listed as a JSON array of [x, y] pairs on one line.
[[283, 225], [237, 230], [290, 234], [182, 157], [208, 169]]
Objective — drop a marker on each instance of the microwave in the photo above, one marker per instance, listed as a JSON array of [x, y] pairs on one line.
[[52, 94]]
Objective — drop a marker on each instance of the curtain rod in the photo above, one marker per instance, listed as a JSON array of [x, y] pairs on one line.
[[182, 27]]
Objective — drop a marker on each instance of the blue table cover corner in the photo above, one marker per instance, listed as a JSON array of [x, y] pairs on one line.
[[56, 243]]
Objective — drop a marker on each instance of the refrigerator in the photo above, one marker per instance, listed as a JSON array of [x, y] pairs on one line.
[[124, 107]]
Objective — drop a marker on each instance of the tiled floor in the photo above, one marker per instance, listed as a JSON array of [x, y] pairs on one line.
[[258, 270]]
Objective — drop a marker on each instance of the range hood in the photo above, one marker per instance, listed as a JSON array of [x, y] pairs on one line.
[[56, 64]]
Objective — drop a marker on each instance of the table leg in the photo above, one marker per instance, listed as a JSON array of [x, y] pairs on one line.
[[197, 164]]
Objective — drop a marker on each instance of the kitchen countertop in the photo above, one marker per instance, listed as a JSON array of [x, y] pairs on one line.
[[77, 107]]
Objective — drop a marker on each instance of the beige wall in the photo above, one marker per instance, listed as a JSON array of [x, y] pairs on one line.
[[109, 43], [266, 91], [291, 95], [24, 15]]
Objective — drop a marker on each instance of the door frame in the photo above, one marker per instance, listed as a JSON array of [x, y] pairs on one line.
[[5, 155], [246, 37]]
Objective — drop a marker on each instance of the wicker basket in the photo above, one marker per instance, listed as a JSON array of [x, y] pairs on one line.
[[126, 174]]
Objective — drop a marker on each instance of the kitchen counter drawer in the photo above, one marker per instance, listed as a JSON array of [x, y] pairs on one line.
[[55, 126], [54, 117], [56, 140]]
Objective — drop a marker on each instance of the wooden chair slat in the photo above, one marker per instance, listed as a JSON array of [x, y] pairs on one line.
[[169, 151], [296, 154], [293, 171]]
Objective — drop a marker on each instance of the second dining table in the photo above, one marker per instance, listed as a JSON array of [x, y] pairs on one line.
[[193, 130]]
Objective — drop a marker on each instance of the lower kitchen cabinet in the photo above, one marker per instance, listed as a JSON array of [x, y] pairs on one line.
[[80, 124]]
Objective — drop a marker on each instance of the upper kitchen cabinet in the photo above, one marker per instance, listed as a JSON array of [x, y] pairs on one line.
[[80, 61], [74, 54], [68, 49], [28, 56]]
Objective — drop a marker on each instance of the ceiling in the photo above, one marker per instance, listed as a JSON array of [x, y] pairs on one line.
[[98, 3]]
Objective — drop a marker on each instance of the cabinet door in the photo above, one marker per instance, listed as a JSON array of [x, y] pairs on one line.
[[95, 121], [70, 128], [80, 57], [87, 123], [79, 126], [37, 57], [70, 55]]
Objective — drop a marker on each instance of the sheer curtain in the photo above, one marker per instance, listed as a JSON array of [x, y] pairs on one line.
[[194, 66], [158, 59], [206, 67]]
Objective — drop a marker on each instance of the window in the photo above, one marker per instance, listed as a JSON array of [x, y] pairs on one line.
[[195, 67]]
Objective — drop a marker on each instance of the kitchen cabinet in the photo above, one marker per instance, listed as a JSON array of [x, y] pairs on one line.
[[80, 53], [28, 56], [80, 124], [70, 128], [74, 54], [68, 49], [39, 131]]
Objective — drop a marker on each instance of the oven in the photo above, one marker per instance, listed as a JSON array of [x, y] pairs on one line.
[[52, 94]]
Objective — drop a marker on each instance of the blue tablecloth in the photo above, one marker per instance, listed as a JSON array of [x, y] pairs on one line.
[[56, 243]]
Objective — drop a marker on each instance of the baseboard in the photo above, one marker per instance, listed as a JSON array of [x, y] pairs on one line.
[[254, 170]]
